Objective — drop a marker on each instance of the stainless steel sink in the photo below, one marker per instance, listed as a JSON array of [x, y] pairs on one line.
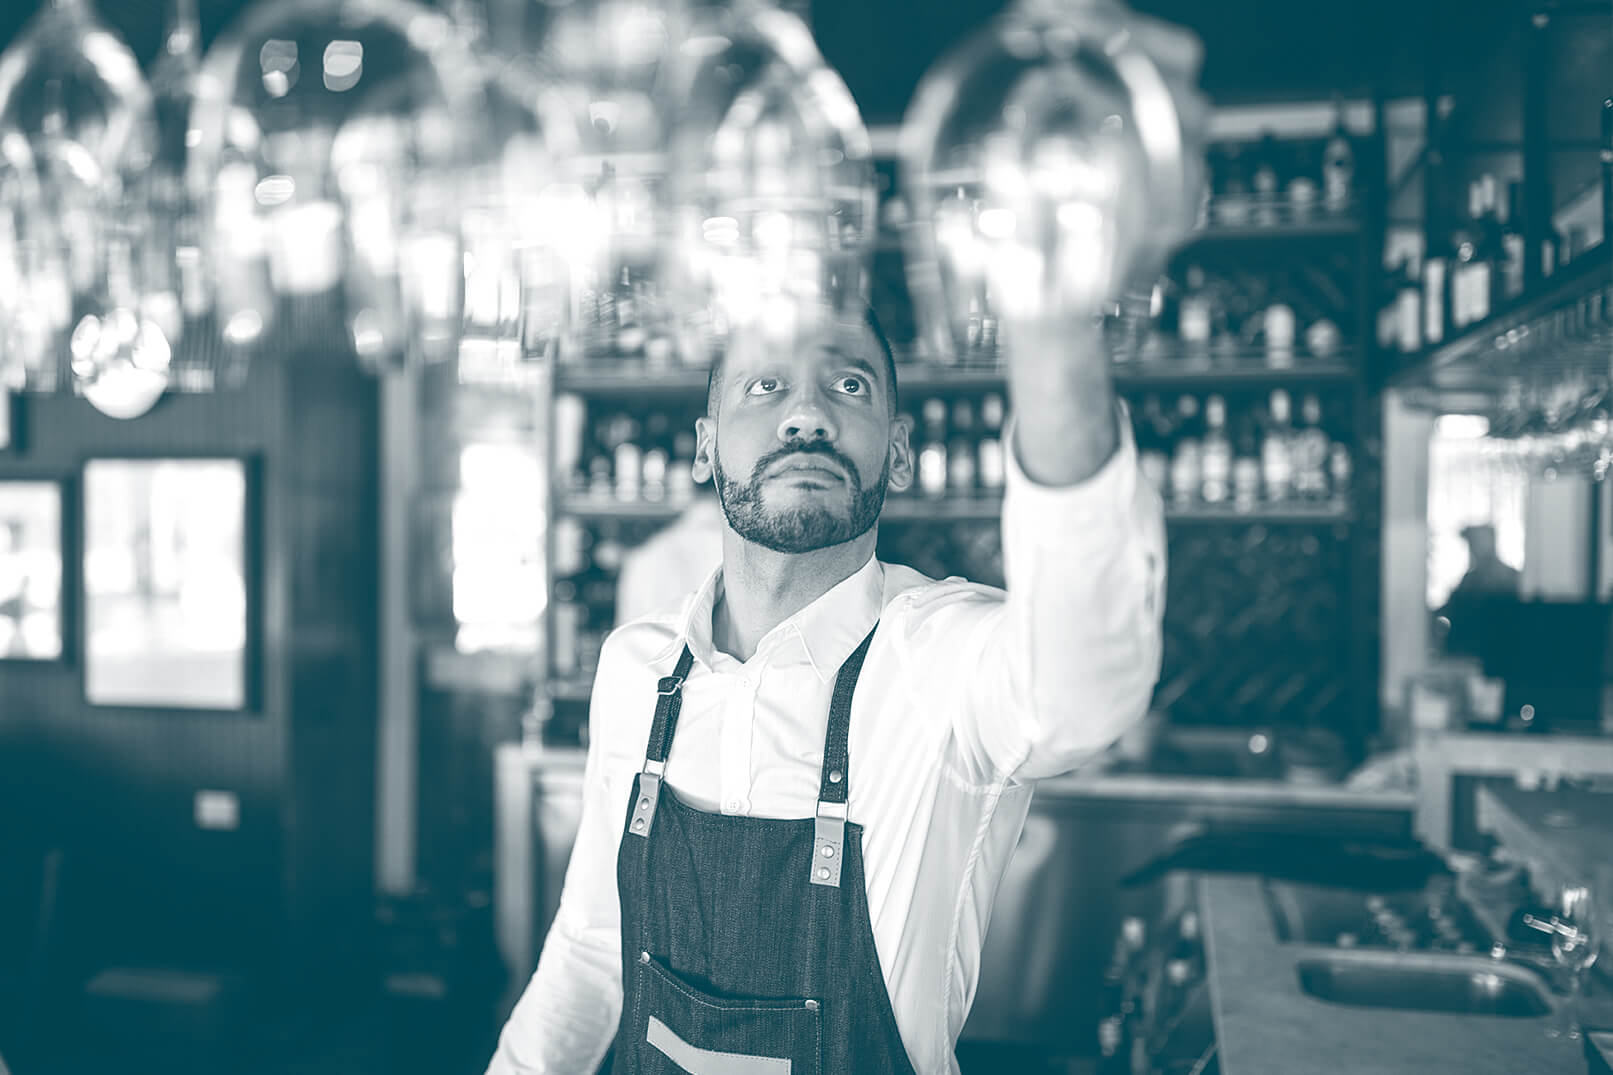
[[1464, 985]]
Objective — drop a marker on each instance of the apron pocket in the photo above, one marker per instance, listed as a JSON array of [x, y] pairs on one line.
[[705, 1034]]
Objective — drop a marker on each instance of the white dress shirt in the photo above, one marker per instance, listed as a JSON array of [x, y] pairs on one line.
[[967, 697]]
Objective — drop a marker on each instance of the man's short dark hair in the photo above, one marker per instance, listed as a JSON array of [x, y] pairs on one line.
[[871, 319]]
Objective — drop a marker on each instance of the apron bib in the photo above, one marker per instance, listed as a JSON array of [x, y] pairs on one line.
[[747, 947]]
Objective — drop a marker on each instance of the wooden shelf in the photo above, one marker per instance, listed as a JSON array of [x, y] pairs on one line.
[[632, 510], [909, 508], [1322, 226], [625, 381], [624, 377], [1317, 514]]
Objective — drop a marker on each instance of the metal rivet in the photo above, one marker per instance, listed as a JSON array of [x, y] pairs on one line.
[[811, 1005], [828, 851], [644, 957], [644, 804], [823, 873], [836, 776], [638, 823]]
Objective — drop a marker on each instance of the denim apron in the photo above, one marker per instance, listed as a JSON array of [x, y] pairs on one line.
[[746, 942]]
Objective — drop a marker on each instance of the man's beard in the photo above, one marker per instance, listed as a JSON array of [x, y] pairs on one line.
[[805, 528]]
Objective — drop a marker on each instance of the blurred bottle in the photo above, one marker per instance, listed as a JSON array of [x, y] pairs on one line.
[[1492, 244], [1215, 168], [680, 472], [1186, 465], [1464, 268], [1303, 188], [1267, 181], [1217, 453], [1246, 465], [1338, 165], [961, 471], [1323, 338], [1310, 451], [1231, 207], [1153, 443], [1195, 317], [1553, 249], [1279, 326], [1512, 244], [1408, 310], [1277, 449], [992, 464], [1436, 290], [933, 456], [626, 459], [1340, 472]]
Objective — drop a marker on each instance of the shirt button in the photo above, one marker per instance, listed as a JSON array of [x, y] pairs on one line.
[[733, 806]]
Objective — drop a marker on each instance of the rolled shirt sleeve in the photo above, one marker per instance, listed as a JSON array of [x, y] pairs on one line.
[[1069, 660]]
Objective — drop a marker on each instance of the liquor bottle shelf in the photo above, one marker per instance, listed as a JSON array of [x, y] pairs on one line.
[[918, 509], [625, 379], [1504, 332]]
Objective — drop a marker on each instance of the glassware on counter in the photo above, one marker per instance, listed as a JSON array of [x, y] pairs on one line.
[[1576, 938]]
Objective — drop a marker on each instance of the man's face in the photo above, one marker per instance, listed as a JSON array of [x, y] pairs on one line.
[[800, 441]]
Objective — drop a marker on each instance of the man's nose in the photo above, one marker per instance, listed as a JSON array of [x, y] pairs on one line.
[[807, 419]]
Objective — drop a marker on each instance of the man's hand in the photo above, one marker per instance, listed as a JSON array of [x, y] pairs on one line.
[[1058, 368]]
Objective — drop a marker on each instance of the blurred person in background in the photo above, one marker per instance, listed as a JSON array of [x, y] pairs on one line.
[[1470, 611], [673, 562]]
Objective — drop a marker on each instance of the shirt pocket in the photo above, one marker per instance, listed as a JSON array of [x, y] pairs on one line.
[[686, 1028]]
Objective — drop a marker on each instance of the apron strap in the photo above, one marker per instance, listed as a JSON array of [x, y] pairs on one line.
[[828, 845], [668, 702]]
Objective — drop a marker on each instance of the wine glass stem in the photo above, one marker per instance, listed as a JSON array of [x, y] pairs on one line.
[[1569, 1022]]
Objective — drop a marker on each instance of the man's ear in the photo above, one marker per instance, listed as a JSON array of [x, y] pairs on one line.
[[901, 454], [705, 449]]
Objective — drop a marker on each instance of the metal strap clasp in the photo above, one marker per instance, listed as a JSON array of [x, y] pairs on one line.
[[828, 844], [649, 793]]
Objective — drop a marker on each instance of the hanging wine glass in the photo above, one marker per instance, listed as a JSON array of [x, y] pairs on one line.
[[175, 294], [72, 88], [1045, 165], [27, 345], [608, 59], [773, 189], [516, 284], [326, 136]]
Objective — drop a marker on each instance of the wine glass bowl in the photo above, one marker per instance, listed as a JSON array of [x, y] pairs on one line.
[[773, 187], [1045, 165]]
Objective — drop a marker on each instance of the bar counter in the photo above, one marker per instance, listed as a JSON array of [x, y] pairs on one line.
[[1059, 904], [1265, 1022]]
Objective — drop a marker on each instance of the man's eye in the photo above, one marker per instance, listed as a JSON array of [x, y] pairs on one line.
[[852, 386], [764, 386]]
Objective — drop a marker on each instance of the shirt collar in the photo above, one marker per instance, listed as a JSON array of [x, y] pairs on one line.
[[829, 628]]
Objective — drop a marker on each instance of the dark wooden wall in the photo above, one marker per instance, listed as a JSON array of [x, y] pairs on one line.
[[116, 786]]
